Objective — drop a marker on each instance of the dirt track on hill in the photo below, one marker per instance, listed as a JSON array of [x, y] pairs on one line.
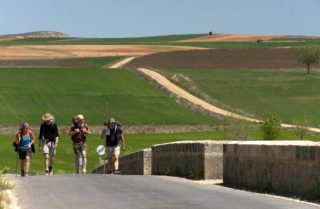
[[160, 79], [186, 95], [78, 51], [254, 58]]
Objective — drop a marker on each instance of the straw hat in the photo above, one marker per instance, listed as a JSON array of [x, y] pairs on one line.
[[79, 117], [47, 117]]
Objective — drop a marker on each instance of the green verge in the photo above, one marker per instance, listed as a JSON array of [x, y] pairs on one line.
[[134, 142], [290, 95], [96, 93]]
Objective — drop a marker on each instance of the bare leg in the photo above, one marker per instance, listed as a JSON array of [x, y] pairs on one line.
[[116, 162], [110, 164], [27, 165], [51, 160], [84, 161], [77, 162], [46, 162], [22, 165]]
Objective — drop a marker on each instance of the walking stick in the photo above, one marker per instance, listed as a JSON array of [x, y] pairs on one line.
[[17, 147]]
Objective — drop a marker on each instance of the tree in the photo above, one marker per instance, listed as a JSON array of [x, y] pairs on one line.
[[308, 56]]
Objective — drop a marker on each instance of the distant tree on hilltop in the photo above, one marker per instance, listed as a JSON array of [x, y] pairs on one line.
[[308, 56]]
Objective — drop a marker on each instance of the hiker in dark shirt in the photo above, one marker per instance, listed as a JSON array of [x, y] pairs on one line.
[[114, 142], [48, 141], [79, 132]]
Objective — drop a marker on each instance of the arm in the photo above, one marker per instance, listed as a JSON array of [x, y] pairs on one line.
[[123, 144], [33, 139], [86, 130], [56, 133], [40, 135], [73, 131]]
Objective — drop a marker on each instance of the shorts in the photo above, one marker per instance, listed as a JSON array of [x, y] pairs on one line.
[[23, 153], [115, 150], [49, 148], [79, 148]]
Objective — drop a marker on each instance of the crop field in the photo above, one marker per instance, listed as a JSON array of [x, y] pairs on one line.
[[291, 95], [262, 58], [170, 40], [99, 41], [97, 93], [96, 62]]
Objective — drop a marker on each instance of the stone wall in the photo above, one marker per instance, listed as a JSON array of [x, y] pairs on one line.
[[137, 163], [189, 159], [284, 167]]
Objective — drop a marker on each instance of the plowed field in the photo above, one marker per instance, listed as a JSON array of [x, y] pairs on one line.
[[260, 58]]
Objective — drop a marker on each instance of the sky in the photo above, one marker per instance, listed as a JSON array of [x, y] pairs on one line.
[[137, 18]]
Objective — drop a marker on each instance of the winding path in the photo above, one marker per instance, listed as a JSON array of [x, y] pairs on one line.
[[163, 81]]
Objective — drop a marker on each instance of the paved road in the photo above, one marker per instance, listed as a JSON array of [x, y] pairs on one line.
[[137, 192]]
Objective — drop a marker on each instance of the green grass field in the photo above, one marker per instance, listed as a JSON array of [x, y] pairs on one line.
[[96, 93], [134, 142], [65, 155], [100, 41], [291, 95]]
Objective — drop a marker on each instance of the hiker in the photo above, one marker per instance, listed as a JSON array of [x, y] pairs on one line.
[[79, 132], [24, 140], [48, 141], [114, 142]]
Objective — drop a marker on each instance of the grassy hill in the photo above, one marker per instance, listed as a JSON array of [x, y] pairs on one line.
[[290, 94], [97, 93]]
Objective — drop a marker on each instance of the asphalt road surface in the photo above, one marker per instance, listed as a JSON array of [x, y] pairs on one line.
[[137, 192]]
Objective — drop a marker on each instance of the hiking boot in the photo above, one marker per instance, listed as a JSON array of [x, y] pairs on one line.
[[50, 170], [84, 171], [23, 174], [46, 173], [117, 172]]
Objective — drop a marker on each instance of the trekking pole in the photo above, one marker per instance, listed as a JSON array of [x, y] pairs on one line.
[[104, 165], [17, 146]]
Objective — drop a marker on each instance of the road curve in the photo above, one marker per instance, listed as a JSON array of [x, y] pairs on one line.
[[163, 81], [137, 192]]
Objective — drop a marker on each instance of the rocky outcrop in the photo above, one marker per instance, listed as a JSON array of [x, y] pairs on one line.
[[39, 34]]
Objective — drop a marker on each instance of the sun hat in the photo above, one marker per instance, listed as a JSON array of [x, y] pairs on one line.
[[79, 117], [111, 120], [47, 117]]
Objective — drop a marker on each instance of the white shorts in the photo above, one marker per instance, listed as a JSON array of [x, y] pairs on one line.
[[115, 150], [49, 148]]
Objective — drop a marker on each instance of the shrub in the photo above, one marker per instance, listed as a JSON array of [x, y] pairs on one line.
[[236, 129], [302, 126], [270, 126]]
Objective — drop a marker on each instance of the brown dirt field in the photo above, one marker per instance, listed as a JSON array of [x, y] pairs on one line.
[[232, 37], [260, 58], [73, 51]]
